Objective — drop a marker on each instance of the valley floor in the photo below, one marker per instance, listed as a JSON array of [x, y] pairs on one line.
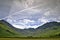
[[29, 39]]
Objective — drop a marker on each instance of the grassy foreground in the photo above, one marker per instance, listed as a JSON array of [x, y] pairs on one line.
[[30, 39]]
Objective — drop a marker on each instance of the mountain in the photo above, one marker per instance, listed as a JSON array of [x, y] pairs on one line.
[[6, 30], [50, 29]]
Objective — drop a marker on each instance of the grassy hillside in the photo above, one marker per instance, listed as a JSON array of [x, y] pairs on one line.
[[6, 31], [51, 29]]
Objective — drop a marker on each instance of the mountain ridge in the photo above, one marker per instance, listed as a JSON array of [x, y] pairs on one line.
[[47, 30]]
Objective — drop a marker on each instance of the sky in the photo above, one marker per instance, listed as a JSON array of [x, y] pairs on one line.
[[29, 13]]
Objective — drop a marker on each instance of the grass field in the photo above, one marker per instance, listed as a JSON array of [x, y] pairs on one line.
[[29, 39]]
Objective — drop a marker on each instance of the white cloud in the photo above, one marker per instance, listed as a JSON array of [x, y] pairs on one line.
[[24, 23], [47, 13], [25, 26], [9, 20], [28, 3], [19, 26], [43, 20], [28, 21]]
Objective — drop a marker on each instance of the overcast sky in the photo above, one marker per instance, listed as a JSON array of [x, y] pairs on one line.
[[29, 13]]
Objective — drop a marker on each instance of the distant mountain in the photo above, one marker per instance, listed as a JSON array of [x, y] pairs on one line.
[[50, 29]]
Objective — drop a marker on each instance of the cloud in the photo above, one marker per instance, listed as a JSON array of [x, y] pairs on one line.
[[25, 27], [47, 13], [19, 26], [27, 21], [33, 13], [5, 6], [24, 23], [43, 20]]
